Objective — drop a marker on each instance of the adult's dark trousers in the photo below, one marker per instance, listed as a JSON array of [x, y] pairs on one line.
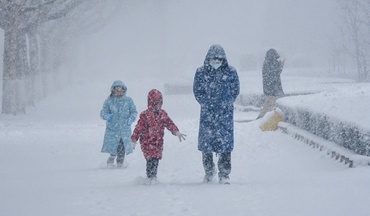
[[224, 164]]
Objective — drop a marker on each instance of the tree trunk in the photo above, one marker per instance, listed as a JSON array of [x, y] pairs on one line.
[[9, 72], [15, 70], [23, 76], [35, 83]]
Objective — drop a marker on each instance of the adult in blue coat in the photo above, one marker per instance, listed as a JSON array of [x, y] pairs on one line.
[[120, 112], [216, 86], [272, 88]]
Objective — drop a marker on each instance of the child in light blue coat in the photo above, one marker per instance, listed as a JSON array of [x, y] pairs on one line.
[[120, 112]]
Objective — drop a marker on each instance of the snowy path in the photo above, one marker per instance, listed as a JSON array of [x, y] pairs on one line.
[[51, 167]]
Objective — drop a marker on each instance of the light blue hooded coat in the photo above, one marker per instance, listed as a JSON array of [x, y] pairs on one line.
[[124, 113]]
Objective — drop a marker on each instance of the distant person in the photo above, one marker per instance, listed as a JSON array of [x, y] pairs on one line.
[[120, 112], [216, 86], [150, 131], [272, 88]]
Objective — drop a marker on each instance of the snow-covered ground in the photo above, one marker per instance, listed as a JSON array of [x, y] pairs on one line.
[[50, 162]]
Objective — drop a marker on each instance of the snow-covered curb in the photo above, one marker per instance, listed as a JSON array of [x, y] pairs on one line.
[[332, 149]]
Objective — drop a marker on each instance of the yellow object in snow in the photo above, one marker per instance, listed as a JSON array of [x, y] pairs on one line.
[[271, 120]]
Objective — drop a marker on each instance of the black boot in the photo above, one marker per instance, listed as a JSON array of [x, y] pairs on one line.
[[110, 160]]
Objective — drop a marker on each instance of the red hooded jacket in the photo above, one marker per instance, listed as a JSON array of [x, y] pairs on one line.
[[150, 127]]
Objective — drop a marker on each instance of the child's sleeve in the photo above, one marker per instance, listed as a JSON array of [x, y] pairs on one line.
[[168, 123], [105, 110], [133, 112], [138, 128]]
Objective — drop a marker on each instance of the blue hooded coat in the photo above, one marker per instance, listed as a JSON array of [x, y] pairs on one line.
[[124, 113], [216, 90]]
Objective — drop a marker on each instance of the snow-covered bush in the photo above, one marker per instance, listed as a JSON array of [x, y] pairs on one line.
[[345, 134], [250, 100]]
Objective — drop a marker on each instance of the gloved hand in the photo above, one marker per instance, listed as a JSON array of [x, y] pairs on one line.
[[130, 120], [108, 117], [180, 135], [133, 144]]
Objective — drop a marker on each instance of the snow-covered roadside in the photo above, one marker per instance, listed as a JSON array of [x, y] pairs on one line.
[[331, 149]]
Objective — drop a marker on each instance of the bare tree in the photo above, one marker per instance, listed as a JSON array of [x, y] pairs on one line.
[[19, 18], [356, 30], [29, 50]]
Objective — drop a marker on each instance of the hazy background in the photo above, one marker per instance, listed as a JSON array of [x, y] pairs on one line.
[[170, 39]]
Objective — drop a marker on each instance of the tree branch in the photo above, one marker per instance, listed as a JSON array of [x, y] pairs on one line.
[[38, 7], [62, 13]]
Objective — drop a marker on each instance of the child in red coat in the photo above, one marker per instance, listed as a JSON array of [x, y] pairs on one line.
[[150, 130]]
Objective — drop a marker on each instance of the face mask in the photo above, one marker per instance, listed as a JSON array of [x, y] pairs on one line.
[[215, 63]]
